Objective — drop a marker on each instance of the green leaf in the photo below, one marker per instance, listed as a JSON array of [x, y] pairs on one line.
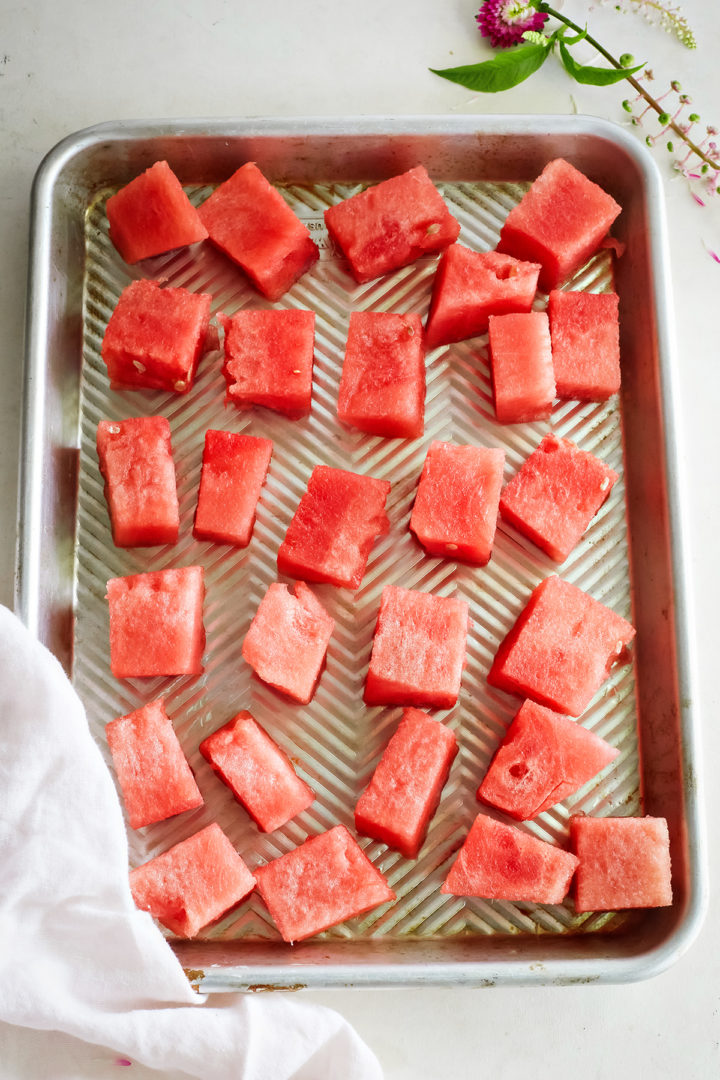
[[505, 70], [593, 76]]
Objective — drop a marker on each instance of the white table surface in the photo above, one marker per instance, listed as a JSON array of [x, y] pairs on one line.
[[65, 65]]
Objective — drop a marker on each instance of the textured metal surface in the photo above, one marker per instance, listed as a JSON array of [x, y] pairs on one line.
[[66, 556], [336, 740]]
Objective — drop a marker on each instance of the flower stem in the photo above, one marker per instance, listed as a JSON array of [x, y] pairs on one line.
[[652, 103]]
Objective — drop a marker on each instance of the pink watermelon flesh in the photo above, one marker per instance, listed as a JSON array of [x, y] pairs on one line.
[[325, 881], [269, 360], [257, 772], [560, 222], [470, 286], [522, 371], [405, 788], [156, 623], [155, 337], [152, 215], [543, 758], [585, 336], [137, 465], [154, 776], [193, 883], [624, 863], [234, 468], [561, 648], [499, 862], [418, 652], [334, 527], [391, 224], [382, 388], [248, 219], [456, 506], [288, 639], [556, 494]]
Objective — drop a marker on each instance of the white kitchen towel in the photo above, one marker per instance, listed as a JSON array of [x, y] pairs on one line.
[[79, 964]]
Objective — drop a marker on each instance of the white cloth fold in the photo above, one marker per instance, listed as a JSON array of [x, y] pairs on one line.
[[77, 958]]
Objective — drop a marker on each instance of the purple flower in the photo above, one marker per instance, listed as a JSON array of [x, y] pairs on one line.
[[505, 21]]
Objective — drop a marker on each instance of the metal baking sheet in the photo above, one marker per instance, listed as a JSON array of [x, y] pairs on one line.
[[630, 558]]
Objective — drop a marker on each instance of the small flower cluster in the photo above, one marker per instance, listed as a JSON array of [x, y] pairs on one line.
[[693, 146], [660, 14]]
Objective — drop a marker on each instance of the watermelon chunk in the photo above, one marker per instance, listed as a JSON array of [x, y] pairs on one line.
[[154, 776], [155, 337], [470, 286], [418, 651], [561, 648], [234, 468], [624, 863], [288, 639], [391, 224], [334, 527], [269, 360], [152, 215], [560, 222], [405, 788], [456, 506], [499, 862], [137, 465], [543, 758], [193, 883], [585, 335], [382, 388], [156, 625], [522, 371], [257, 772], [556, 494], [325, 881], [248, 219]]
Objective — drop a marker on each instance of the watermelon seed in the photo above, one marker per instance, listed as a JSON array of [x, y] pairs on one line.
[[431, 229], [180, 384], [139, 366]]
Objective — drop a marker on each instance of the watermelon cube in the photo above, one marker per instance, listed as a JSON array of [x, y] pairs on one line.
[[456, 505], [556, 494], [561, 648], [288, 639], [391, 224], [234, 468], [543, 758], [137, 465], [334, 527], [418, 651], [382, 388], [499, 862], [155, 337], [585, 337], [248, 219], [193, 883], [470, 286], [522, 371], [560, 222], [154, 776], [152, 215], [269, 360], [325, 881], [405, 788], [257, 772], [624, 863], [156, 624]]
